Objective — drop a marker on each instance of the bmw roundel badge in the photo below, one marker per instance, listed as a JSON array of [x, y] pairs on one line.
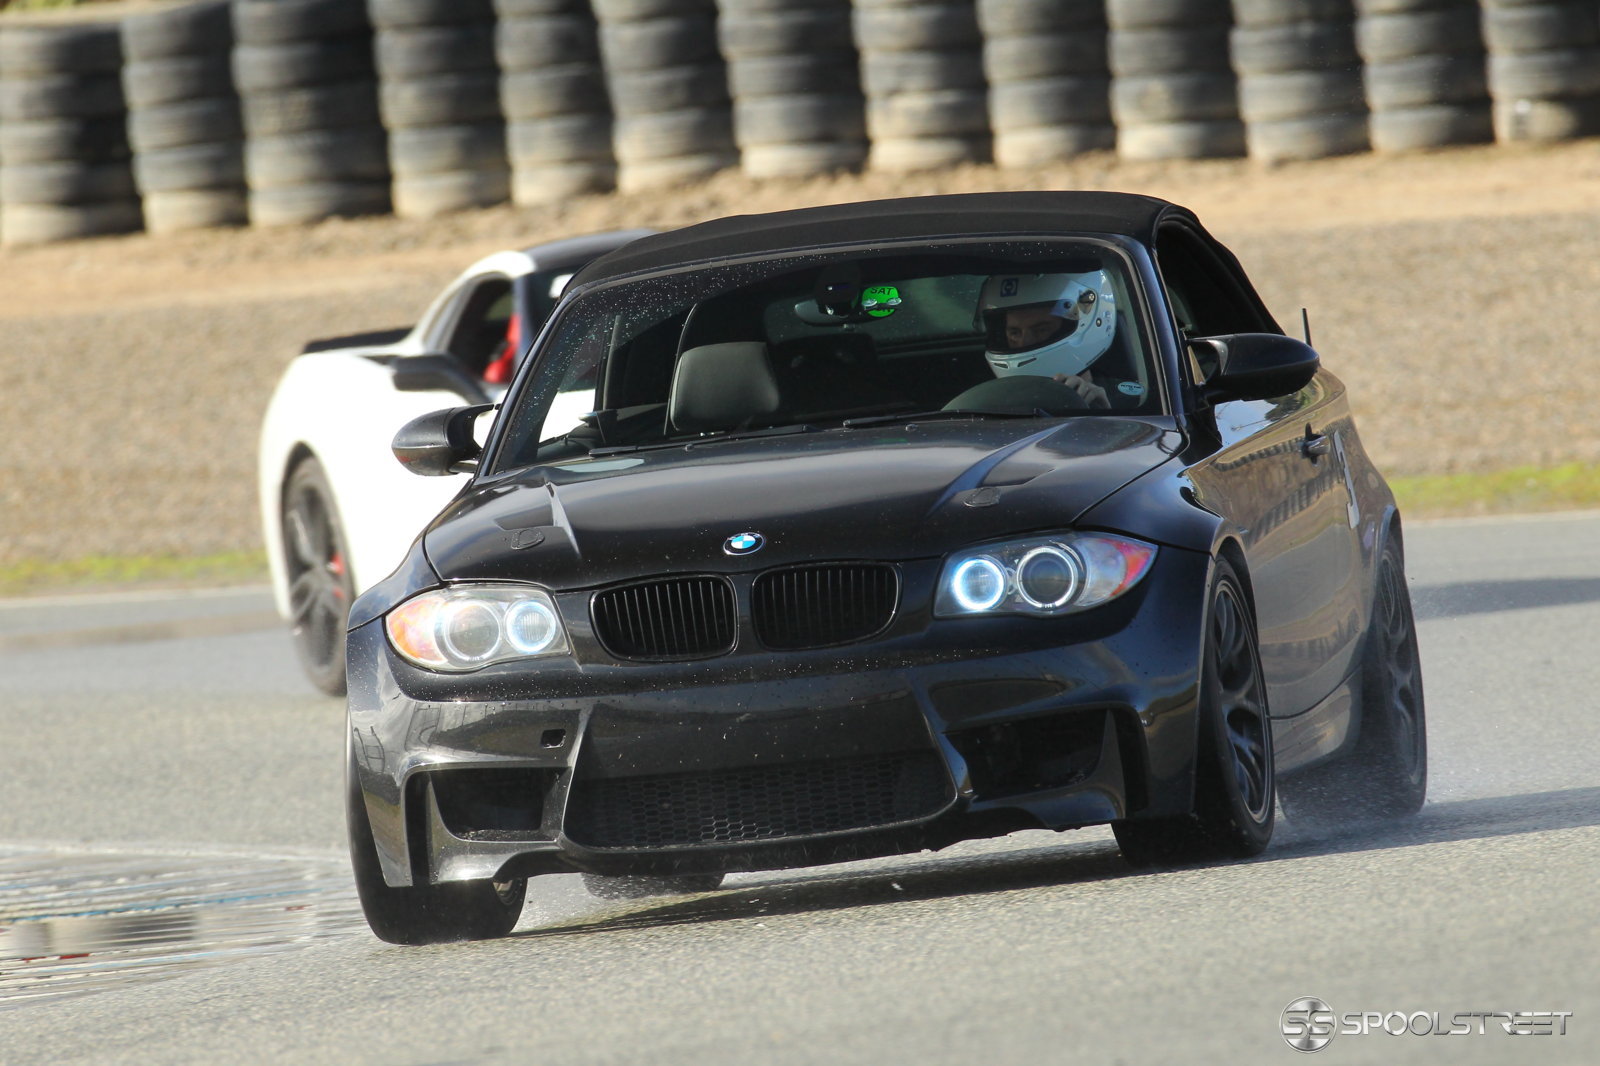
[[743, 543]]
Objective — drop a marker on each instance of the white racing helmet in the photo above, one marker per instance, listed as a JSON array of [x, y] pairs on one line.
[[1047, 324]]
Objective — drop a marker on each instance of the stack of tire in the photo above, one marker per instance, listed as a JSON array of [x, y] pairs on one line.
[[1173, 93], [673, 121], [64, 169], [1049, 86], [553, 97], [797, 106], [439, 95], [1424, 73], [309, 95], [922, 72], [1544, 68], [183, 117], [1300, 88]]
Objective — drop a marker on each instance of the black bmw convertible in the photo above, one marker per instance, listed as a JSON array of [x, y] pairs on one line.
[[889, 525]]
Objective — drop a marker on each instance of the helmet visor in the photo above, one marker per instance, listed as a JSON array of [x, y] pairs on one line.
[[1028, 327]]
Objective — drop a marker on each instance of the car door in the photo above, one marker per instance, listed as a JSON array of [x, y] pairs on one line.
[[1278, 471]]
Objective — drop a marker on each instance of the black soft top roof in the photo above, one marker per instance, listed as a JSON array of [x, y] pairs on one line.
[[968, 214]]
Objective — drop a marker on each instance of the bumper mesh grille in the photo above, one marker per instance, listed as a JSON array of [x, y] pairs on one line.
[[754, 804], [816, 606], [674, 618]]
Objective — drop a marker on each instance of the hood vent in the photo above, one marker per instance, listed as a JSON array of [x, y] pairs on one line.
[[673, 618], [819, 606]]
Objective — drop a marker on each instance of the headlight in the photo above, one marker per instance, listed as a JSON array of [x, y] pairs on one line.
[[1041, 575], [468, 626]]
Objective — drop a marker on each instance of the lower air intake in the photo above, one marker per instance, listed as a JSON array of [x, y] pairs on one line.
[[754, 804]]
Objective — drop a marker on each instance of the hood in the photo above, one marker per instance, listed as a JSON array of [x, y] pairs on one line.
[[897, 492]]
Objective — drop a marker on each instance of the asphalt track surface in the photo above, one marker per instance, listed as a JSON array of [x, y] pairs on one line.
[[173, 886]]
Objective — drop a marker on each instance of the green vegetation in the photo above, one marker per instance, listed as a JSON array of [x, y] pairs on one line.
[[1519, 489], [39, 5], [122, 571]]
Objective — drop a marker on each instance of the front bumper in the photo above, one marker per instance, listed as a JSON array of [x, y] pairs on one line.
[[937, 731]]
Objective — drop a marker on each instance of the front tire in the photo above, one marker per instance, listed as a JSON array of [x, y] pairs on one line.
[[316, 562], [1235, 790], [425, 914], [1385, 776]]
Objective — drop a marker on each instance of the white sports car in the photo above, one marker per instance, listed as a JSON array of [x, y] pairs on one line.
[[338, 512]]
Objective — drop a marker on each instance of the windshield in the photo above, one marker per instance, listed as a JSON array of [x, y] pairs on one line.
[[825, 340]]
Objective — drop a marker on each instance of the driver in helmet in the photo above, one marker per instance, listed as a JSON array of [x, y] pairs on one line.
[[1050, 325]]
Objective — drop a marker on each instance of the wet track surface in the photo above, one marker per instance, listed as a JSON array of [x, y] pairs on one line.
[[171, 840], [74, 923]]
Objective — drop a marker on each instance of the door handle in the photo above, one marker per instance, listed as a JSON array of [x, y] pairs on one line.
[[1314, 445]]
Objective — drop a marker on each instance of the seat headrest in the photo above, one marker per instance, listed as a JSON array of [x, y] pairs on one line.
[[722, 386]]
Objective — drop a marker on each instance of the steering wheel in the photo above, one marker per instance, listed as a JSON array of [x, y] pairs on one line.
[[1019, 394]]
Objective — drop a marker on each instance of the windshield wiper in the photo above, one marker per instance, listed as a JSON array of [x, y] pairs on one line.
[[710, 438], [752, 434], [938, 415]]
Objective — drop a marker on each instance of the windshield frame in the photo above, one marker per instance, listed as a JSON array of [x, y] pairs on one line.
[[1138, 270]]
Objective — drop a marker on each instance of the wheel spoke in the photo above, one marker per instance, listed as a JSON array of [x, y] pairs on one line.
[[1227, 623], [298, 538], [305, 594], [1247, 742]]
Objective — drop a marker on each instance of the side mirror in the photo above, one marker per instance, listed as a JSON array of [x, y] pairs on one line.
[[441, 442], [1256, 366], [433, 372]]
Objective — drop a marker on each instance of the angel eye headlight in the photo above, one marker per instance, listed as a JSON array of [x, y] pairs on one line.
[[1041, 575], [1049, 576], [978, 584], [469, 631], [531, 627], [470, 626]]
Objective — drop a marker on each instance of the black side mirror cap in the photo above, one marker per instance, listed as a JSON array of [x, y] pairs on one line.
[[435, 371], [441, 442], [1257, 366]]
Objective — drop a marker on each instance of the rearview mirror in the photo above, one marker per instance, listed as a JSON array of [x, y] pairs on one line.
[[436, 372], [441, 442], [1255, 366]]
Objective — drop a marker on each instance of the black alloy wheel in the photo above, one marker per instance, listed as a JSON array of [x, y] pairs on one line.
[[1385, 775], [604, 887], [316, 562], [1235, 786], [425, 914]]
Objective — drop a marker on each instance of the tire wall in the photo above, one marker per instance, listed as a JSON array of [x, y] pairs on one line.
[[439, 98], [922, 73], [184, 123], [1049, 83], [1173, 92], [65, 167], [1300, 86], [553, 97], [795, 82], [1544, 68], [1424, 69], [201, 113], [308, 91], [672, 116]]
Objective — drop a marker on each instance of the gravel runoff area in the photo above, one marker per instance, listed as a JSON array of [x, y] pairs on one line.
[[1456, 293]]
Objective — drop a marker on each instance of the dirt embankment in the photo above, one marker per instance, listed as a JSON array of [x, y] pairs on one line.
[[1457, 293]]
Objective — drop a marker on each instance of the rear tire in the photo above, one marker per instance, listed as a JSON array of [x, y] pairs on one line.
[[1234, 789], [317, 567], [1385, 776], [425, 914]]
